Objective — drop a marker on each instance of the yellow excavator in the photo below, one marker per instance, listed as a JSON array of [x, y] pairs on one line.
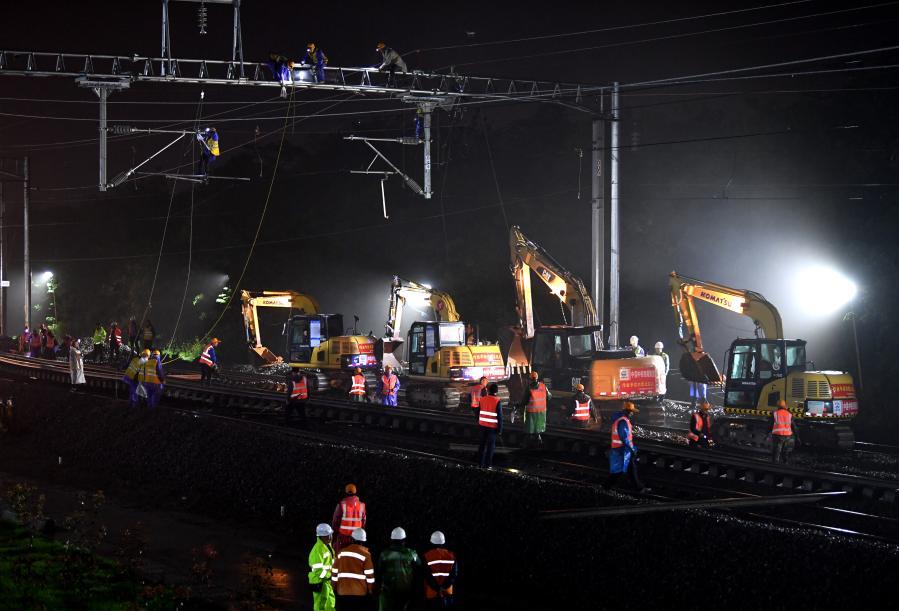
[[315, 343], [444, 356], [573, 353], [761, 371]]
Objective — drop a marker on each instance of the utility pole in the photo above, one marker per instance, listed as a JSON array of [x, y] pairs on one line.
[[26, 279], [426, 108], [614, 240], [3, 330], [597, 251], [101, 89]]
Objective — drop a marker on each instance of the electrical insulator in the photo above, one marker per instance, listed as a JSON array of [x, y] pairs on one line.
[[201, 18]]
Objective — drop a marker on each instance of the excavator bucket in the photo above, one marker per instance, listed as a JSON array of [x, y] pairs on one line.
[[699, 367], [267, 355]]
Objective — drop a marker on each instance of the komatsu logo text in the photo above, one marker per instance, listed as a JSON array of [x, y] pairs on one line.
[[727, 303]]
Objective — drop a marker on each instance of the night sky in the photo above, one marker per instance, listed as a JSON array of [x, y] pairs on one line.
[[751, 182]]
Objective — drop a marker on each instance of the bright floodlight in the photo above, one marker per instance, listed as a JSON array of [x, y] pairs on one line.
[[45, 277], [823, 290]]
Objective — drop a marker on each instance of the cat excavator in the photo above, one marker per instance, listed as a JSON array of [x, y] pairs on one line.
[[761, 371], [315, 343], [573, 353], [443, 355]]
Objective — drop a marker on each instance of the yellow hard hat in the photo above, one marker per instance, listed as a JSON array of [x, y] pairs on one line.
[[157, 353], [534, 375], [380, 46], [579, 387], [145, 352], [630, 407]]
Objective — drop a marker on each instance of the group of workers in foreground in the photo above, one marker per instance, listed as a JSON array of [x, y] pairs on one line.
[[344, 576]]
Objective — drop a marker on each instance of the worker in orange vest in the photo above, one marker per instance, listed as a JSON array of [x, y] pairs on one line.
[[475, 393], [353, 574], [348, 516], [388, 387], [297, 396], [358, 390], [441, 571], [700, 426], [536, 397], [490, 421], [623, 452], [782, 440], [583, 412]]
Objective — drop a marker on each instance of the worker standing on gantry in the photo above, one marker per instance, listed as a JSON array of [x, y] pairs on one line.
[[209, 138], [282, 70], [391, 61], [583, 413], [316, 58], [536, 397], [700, 426], [388, 387]]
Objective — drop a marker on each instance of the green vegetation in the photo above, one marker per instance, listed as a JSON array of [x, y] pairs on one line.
[[188, 350]]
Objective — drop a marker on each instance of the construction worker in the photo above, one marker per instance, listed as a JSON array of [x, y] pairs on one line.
[[623, 452], [148, 334], [131, 377], [208, 361], [636, 347], [490, 421], [388, 387], [400, 567], [348, 515], [782, 440], [156, 361], [148, 381], [99, 339], [440, 573], [475, 393], [76, 364], [700, 426], [391, 60], [358, 390], [282, 70], [660, 351], [210, 151], [25, 341], [48, 343], [321, 560], [316, 58], [353, 574], [115, 342], [132, 335], [36, 342], [536, 397], [297, 396], [582, 411], [698, 393]]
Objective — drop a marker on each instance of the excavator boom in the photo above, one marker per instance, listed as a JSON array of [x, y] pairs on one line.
[[697, 365], [568, 288], [405, 292], [253, 300]]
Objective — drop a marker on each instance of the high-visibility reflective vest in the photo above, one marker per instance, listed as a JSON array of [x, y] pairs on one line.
[[617, 442], [358, 387], [298, 390], [698, 424], [352, 515], [783, 420], [537, 402], [115, 336], [388, 384], [581, 410], [36, 340], [147, 373], [148, 333], [51, 341], [476, 395], [440, 563], [208, 356], [487, 413], [213, 143], [353, 573], [133, 369]]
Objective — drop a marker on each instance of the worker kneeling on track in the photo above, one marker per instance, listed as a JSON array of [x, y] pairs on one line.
[[534, 402], [583, 414], [623, 452], [700, 426]]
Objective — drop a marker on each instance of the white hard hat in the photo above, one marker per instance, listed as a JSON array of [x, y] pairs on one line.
[[323, 530], [397, 534], [634, 340], [437, 538], [660, 346], [359, 535]]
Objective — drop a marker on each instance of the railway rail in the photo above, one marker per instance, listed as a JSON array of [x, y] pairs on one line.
[[654, 457]]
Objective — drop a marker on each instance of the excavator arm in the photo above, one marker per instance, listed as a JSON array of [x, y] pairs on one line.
[[402, 292], [526, 255], [252, 301], [697, 365]]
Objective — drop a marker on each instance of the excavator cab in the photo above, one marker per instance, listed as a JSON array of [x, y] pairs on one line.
[[318, 340], [755, 366]]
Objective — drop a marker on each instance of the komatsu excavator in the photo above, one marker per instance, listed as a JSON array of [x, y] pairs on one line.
[[573, 353], [444, 357], [314, 343], [761, 371]]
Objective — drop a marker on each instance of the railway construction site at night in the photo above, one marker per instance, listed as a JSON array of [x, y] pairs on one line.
[[407, 307]]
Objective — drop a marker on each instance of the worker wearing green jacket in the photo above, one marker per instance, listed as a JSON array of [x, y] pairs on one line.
[[99, 339], [400, 573], [320, 560]]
